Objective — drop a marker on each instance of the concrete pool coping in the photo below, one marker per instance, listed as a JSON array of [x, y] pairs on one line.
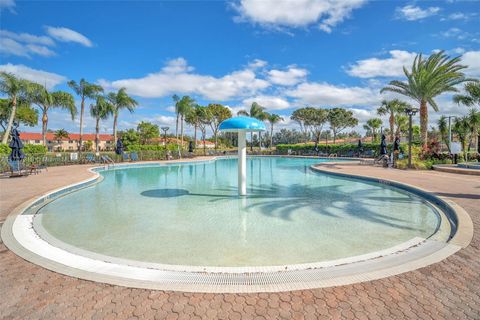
[[251, 279], [452, 168]]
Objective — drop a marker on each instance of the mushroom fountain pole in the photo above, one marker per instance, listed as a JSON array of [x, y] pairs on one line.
[[242, 163], [241, 125]]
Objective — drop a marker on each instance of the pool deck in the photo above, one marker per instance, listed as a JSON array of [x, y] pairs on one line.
[[449, 289]]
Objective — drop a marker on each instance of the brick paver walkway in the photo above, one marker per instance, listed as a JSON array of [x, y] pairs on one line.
[[446, 290]]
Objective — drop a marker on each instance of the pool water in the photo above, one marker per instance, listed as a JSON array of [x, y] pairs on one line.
[[190, 214]]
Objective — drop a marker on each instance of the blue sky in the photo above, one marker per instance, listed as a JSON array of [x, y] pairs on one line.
[[282, 54]]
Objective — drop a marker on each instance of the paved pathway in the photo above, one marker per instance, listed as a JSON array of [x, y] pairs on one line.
[[446, 290]]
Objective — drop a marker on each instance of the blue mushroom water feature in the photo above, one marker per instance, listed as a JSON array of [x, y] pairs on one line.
[[242, 125]]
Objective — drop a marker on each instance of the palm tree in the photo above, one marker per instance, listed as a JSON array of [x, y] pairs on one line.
[[183, 107], [401, 122], [193, 119], [427, 79], [273, 119], [257, 112], [101, 110], [84, 90], [474, 122], [472, 96], [392, 108], [120, 100], [61, 134], [443, 129], [16, 89], [373, 125], [176, 99], [46, 100], [461, 126]]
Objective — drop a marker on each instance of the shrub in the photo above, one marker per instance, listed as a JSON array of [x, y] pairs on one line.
[[28, 149], [151, 147], [339, 149]]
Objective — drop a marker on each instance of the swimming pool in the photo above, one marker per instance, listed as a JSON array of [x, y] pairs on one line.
[[189, 214]]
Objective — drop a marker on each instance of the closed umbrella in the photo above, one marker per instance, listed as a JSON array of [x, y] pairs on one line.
[[16, 145], [383, 146], [396, 144], [119, 147]]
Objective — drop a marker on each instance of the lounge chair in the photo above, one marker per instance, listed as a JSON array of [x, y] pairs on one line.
[[381, 160], [133, 156], [126, 156], [90, 158], [17, 169]]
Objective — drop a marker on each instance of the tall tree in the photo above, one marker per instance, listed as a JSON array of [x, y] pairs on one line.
[[461, 126], [85, 90], [101, 110], [300, 116], [218, 113], [340, 119], [471, 98], [443, 130], [204, 119], [16, 89], [193, 119], [392, 108], [273, 119], [316, 119], [256, 111], [147, 131], [46, 100], [474, 122], [427, 79], [120, 100], [373, 125], [183, 107], [175, 99], [25, 114], [59, 135]]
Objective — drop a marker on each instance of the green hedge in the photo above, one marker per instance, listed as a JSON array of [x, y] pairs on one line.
[[28, 149], [339, 149], [149, 147]]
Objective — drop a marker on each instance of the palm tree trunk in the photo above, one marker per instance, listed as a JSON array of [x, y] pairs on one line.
[[176, 128], [115, 117], [44, 127], [10, 120], [97, 136], [271, 136], [215, 133], [181, 128], [392, 127], [424, 123], [195, 136], [334, 136], [82, 109], [251, 141], [260, 140]]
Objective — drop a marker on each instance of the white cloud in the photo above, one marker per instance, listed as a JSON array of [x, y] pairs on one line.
[[460, 16], [289, 77], [25, 44], [269, 102], [301, 13], [324, 94], [257, 63], [43, 77], [7, 4], [472, 60], [177, 78], [412, 13], [27, 38], [68, 35], [12, 47], [389, 67]]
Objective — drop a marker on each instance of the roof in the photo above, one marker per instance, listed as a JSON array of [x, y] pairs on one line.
[[242, 124], [71, 136]]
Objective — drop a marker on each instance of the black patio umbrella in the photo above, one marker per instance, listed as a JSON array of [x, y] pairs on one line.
[[119, 147], [396, 144], [16, 145], [383, 146]]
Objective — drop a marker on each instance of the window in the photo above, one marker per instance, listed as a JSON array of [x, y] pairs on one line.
[[70, 141], [37, 141]]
